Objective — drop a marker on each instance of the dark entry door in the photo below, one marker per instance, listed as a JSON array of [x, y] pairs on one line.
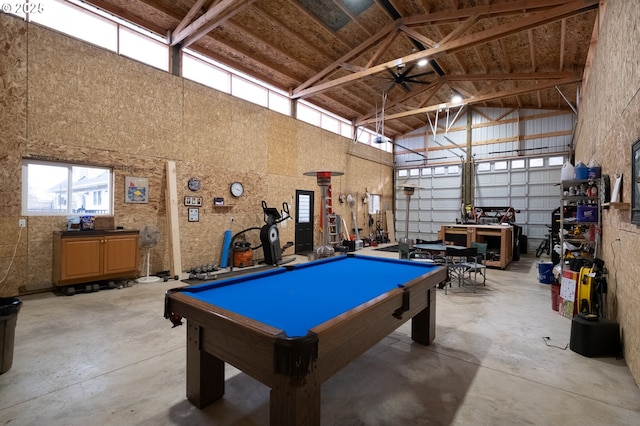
[[304, 221]]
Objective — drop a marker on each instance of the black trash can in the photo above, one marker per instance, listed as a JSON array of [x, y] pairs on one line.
[[9, 308]]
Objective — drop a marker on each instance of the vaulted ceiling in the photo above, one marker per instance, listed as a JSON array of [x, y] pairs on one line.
[[351, 57]]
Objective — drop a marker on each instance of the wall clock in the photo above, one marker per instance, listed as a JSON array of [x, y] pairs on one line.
[[237, 189], [194, 184]]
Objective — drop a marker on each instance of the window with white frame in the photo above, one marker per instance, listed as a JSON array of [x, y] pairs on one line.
[[517, 164], [536, 162], [500, 165], [205, 73], [308, 114], [556, 161], [61, 189], [374, 203], [144, 49], [249, 91], [88, 23], [79, 23], [279, 103]]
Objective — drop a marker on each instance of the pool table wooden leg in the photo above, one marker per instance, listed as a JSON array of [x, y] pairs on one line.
[[205, 372], [423, 325], [295, 403]]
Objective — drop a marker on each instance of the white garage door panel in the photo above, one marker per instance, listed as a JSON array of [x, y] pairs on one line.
[[439, 194], [494, 202], [532, 191], [422, 193], [539, 217], [424, 204], [446, 217], [519, 203], [425, 216], [446, 204], [492, 191], [547, 190], [544, 176], [485, 179], [542, 203], [518, 190], [518, 177], [446, 181]]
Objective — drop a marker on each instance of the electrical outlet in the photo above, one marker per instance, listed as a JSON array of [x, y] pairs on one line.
[[22, 223]]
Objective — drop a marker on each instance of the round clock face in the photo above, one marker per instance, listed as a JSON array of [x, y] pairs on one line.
[[237, 189], [194, 184]]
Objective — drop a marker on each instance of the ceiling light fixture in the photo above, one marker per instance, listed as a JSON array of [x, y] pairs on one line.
[[423, 62], [456, 99]]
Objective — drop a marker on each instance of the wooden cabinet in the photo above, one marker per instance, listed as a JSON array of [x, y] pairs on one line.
[[80, 257], [499, 239]]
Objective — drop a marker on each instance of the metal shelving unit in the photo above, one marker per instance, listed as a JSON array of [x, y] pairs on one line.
[[580, 218]]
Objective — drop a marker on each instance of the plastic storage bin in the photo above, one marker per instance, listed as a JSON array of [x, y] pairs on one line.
[[545, 272], [594, 172], [582, 171], [587, 214], [9, 308]]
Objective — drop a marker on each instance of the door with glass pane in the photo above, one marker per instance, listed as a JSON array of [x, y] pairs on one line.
[[304, 221]]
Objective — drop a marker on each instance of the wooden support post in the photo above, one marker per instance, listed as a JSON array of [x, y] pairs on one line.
[[171, 199]]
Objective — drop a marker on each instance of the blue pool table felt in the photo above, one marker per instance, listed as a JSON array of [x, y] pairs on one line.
[[309, 294]]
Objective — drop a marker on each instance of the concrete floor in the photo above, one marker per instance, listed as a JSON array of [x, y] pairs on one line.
[[110, 358]]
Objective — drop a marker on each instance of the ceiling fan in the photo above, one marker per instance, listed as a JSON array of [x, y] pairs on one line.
[[402, 75]]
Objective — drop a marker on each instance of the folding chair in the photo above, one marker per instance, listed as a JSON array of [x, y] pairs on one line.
[[458, 264], [476, 264]]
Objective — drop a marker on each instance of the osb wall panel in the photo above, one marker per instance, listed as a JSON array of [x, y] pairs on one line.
[[13, 71], [608, 125], [91, 106]]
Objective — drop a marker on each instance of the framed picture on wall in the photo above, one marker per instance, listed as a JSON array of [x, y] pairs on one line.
[[136, 190], [635, 182]]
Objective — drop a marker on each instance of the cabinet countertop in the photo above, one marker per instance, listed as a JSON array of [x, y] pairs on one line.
[[97, 233]]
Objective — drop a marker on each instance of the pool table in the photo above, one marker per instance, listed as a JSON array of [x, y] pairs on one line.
[[293, 327]]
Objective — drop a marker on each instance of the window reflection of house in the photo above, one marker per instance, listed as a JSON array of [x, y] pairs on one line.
[[88, 194]]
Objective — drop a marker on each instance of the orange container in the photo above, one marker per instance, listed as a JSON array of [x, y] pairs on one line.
[[242, 258]]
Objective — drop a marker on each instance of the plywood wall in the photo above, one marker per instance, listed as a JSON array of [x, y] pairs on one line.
[[70, 101], [608, 125]]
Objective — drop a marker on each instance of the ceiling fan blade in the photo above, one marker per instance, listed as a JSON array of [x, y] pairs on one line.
[[405, 86], [393, 83], [421, 74], [412, 80], [393, 74], [407, 70]]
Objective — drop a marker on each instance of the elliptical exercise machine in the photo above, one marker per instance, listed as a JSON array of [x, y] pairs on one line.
[[269, 235]]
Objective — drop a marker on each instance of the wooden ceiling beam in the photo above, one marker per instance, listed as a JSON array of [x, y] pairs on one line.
[[188, 18], [563, 39], [516, 7], [367, 44], [213, 17], [540, 18], [417, 36], [382, 47], [487, 11], [497, 95], [513, 76], [461, 29]]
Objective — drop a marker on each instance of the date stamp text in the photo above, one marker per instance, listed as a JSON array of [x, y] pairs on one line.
[[20, 8]]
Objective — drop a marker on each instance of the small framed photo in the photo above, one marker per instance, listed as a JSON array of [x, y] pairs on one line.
[[194, 215], [193, 201], [136, 190]]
